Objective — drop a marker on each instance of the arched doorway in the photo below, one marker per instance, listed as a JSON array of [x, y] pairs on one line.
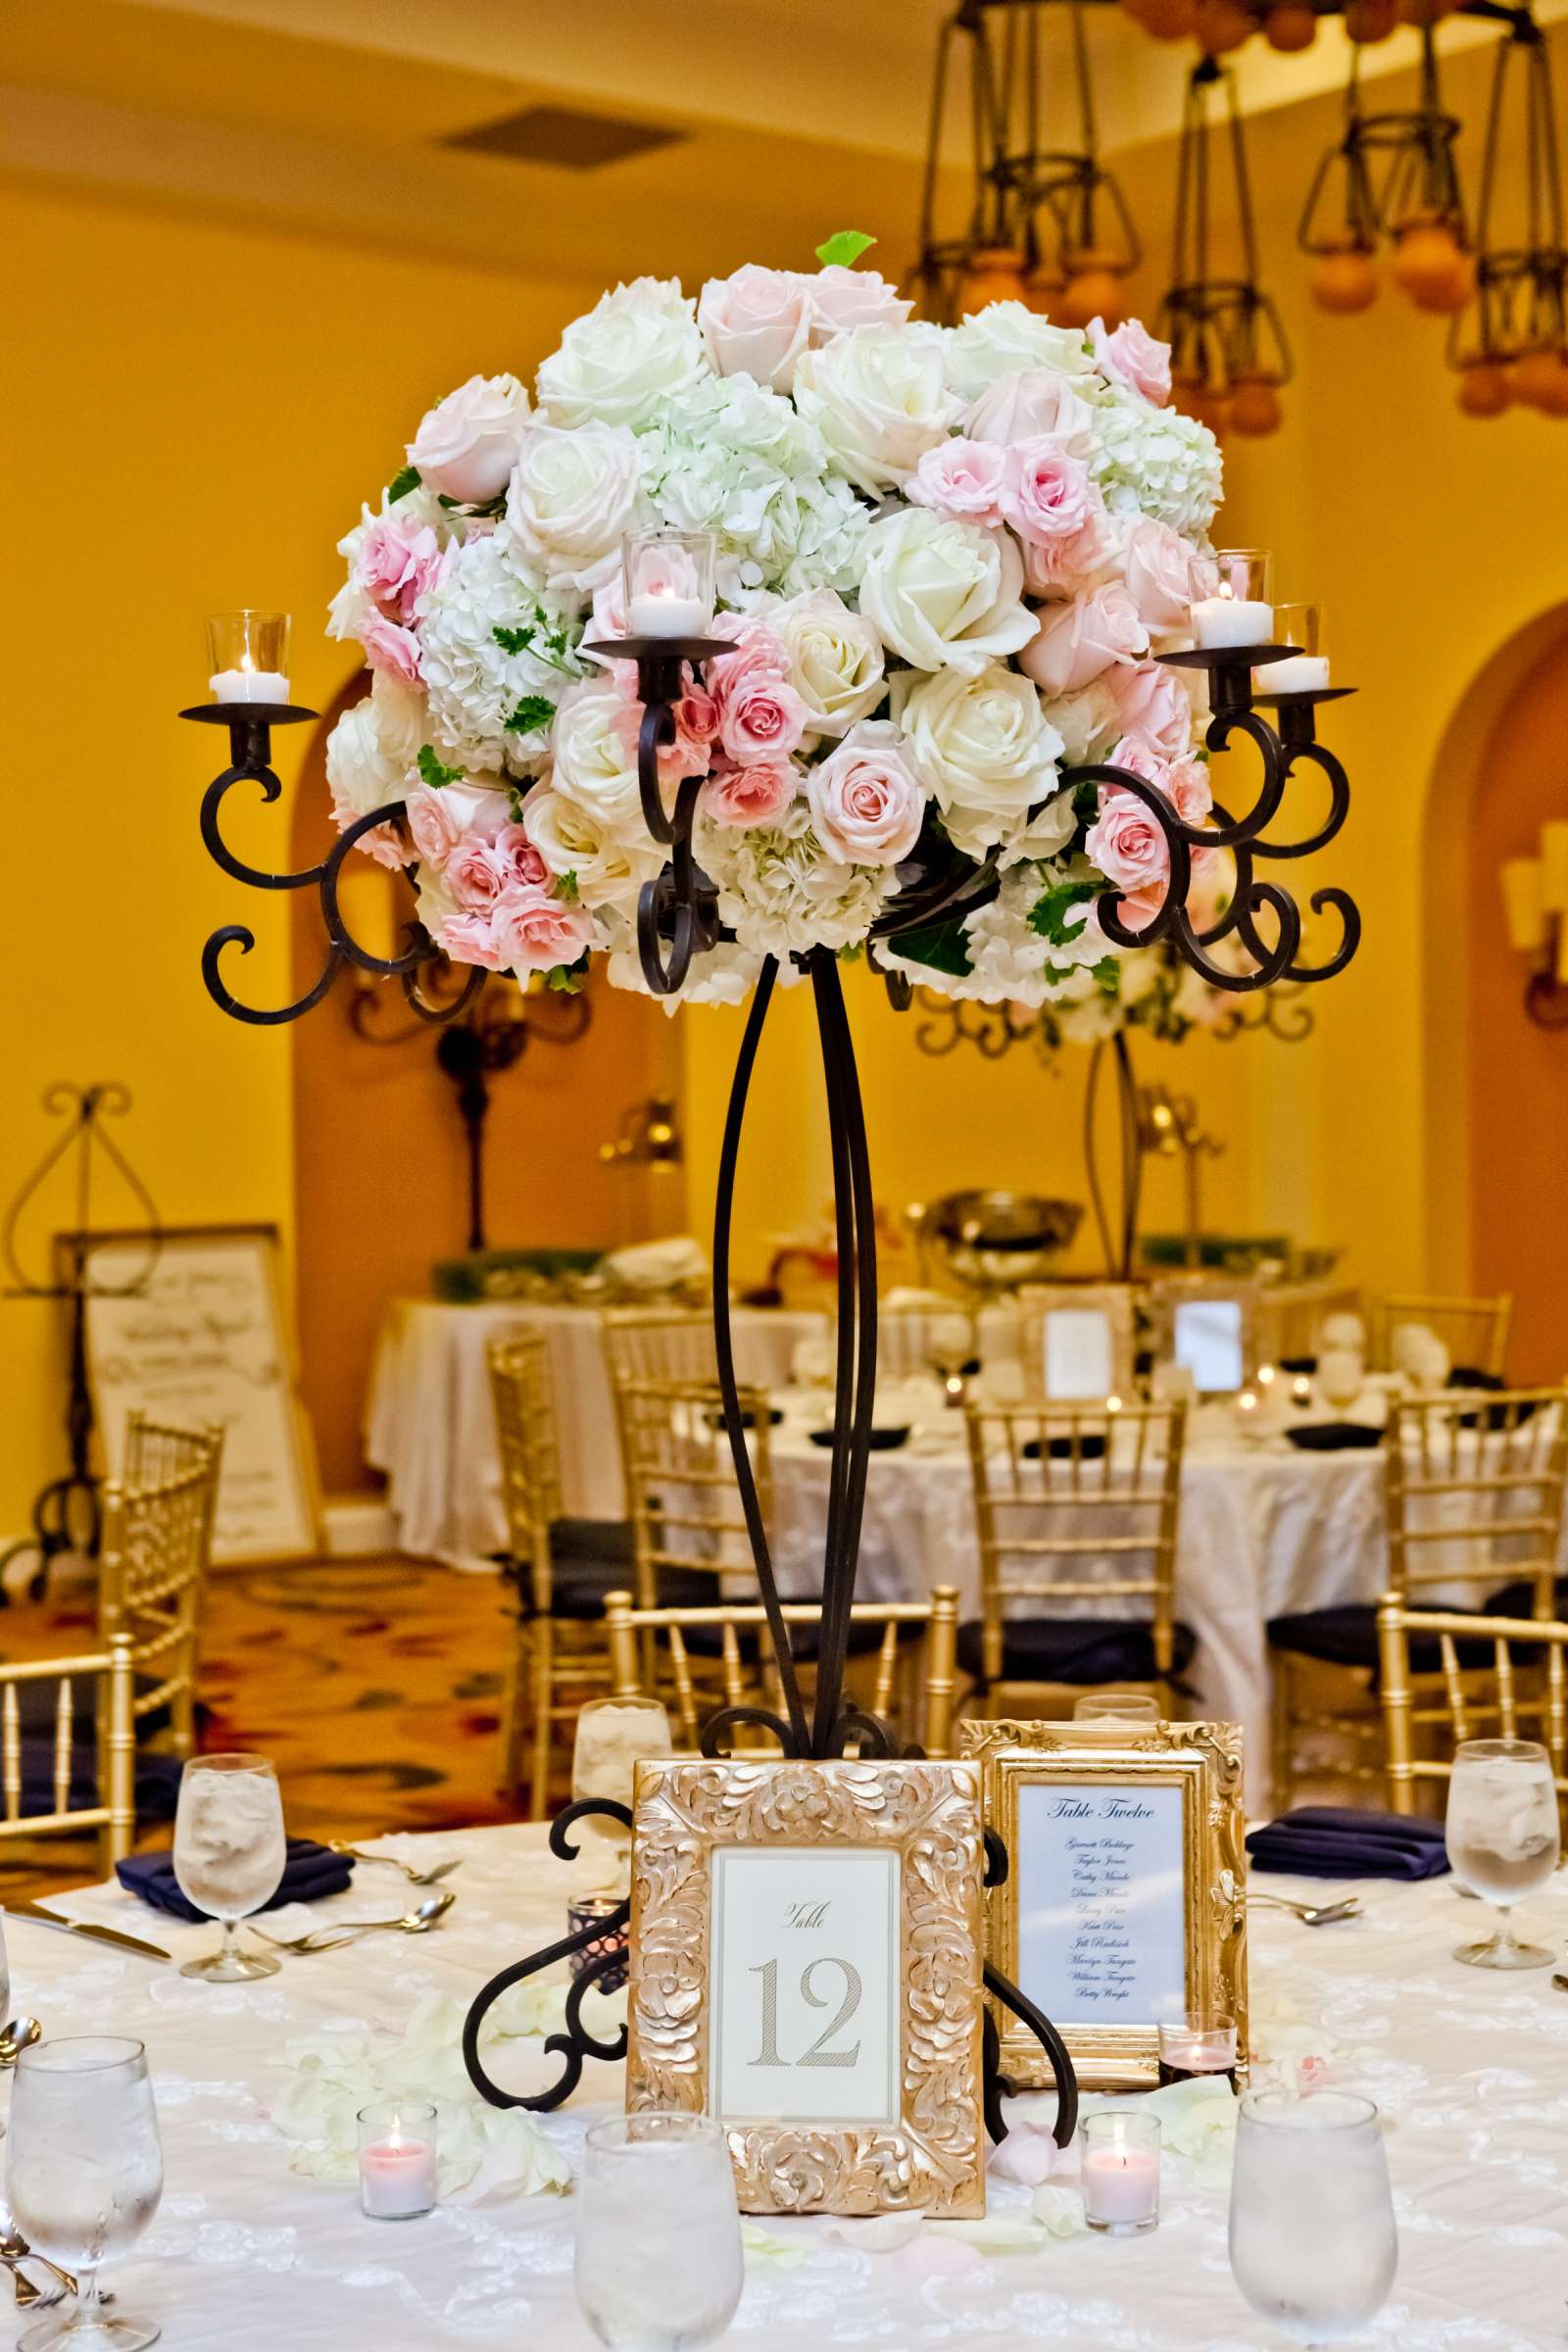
[[380, 1172]]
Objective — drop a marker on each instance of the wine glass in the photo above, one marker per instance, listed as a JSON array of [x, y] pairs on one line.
[[1503, 1839], [658, 2263], [1313, 2246], [84, 2172], [229, 1854]]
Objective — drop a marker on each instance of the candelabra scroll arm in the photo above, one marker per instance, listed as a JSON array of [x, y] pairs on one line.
[[996, 2084], [1350, 915], [1243, 832], [713, 1740], [253, 876], [1339, 801]]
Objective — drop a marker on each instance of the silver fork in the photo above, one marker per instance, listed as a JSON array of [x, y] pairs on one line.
[[417, 1922], [419, 1877], [1313, 1915]]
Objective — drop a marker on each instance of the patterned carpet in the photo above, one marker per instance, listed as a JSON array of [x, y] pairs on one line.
[[375, 1687]]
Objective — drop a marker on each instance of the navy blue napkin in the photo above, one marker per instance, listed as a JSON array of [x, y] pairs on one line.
[[311, 1872], [1346, 1842]]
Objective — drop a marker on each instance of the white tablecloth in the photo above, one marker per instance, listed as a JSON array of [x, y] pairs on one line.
[[244, 2256], [430, 1425]]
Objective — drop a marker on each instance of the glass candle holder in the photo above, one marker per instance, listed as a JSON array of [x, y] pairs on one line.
[[1197, 2041], [397, 2159], [1241, 611], [249, 656], [1120, 2172], [1116, 1706], [587, 1911], [1306, 671], [669, 583]]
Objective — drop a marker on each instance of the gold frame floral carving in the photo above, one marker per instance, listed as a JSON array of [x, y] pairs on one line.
[[1203, 1759], [930, 1814]]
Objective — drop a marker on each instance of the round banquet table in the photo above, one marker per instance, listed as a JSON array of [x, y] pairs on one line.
[[430, 1425], [245, 2255]]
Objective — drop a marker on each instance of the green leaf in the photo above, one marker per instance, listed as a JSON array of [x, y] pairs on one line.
[[402, 483], [942, 946], [432, 771], [844, 249], [566, 888], [1106, 976], [1048, 916], [535, 710], [512, 641], [1086, 802], [566, 979]]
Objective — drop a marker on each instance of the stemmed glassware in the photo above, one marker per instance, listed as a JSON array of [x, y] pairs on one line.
[[659, 2261], [1312, 2242], [84, 2171], [230, 1853], [1503, 1839]]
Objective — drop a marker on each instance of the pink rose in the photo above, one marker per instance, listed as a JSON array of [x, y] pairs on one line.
[[467, 444], [760, 716], [1031, 404], [966, 479], [1054, 567], [1130, 356], [396, 562], [842, 298], [1029, 2152], [695, 726], [383, 844], [1151, 704], [535, 932], [866, 805], [518, 859], [1159, 568], [1184, 781], [751, 637], [470, 938], [756, 323], [438, 820], [1127, 843], [390, 647], [475, 874], [1049, 494], [755, 794], [1080, 640]]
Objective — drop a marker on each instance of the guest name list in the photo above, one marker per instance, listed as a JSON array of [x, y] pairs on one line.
[[1101, 1930]]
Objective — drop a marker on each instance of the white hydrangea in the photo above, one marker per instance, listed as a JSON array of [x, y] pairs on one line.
[[725, 975], [474, 683], [1155, 462], [780, 894]]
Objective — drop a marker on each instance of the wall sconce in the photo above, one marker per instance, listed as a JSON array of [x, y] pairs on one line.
[[1535, 902], [647, 1136], [1167, 1124]]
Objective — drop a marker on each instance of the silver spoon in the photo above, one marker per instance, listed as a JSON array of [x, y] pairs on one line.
[[1313, 1915], [17, 2034], [417, 1922], [419, 1878]]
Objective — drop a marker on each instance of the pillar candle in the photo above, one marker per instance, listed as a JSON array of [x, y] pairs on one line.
[[1554, 867], [1231, 621], [1522, 907]]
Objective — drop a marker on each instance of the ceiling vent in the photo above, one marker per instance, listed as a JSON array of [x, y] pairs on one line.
[[562, 136]]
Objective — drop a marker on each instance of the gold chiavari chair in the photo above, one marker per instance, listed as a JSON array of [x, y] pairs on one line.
[[1077, 1505], [1473, 1484], [1496, 1677], [658, 1343], [1110, 1304], [687, 1526], [155, 1551], [106, 1704], [882, 1629], [1291, 1316], [562, 1569], [1475, 1330]]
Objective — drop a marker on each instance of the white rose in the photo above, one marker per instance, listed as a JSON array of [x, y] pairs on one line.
[[620, 364], [572, 496], [943, 592], [572, 840], [1031, 404], [592, 761], [1005, 336], [876, 396], [842, 298], [984, 746], [756, 323], [371, 753], [836, 661], [466, 447]]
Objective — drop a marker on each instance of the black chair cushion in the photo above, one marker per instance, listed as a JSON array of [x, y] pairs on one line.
[[1347, 1635], [708, 1640], [592, 1539], [157, 1779], [1519, 1600], [1074, 1649]]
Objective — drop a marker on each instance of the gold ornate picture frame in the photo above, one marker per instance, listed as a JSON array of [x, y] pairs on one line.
[[1126, 1893], [807, 1965]]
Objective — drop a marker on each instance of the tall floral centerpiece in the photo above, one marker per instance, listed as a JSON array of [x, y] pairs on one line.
[[946, 561]]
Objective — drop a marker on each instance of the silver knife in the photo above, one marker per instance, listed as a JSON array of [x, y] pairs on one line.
[[83, 1927]]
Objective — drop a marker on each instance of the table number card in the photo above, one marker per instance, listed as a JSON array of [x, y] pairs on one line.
[[805, 1966], [1125, 1900]]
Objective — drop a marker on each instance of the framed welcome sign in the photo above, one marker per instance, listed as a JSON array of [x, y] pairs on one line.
[[806, 1957], [1126, 1898]]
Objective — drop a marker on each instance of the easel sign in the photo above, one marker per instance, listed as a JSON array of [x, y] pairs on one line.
[[208, 1338], [1126, 1902]]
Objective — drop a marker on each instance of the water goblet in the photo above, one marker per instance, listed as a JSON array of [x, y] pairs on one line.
[[1503, 1839], [1116, 1706], [84, 2171], [229, 1854], [1312, 2242], [658, 2262]]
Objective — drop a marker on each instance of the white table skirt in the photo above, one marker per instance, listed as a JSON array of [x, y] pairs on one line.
[[244, 2256], [428, 1421]]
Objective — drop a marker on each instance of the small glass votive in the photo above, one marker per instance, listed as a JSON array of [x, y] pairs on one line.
[[1305, 670], [1120, 2170], [397, 2159], [1116, 1706], [590, 1910], [1241, 611], [669, 583], [249, 656], [1197, 2042]]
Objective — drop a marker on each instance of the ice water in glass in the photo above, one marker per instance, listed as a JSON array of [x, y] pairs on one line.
[[1312, 2242], [658, 2263], [230, 1853], [1503, 1839], [84, 2172]]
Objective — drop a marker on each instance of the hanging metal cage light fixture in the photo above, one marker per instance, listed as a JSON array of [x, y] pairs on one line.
[[1511, 347], [1229, 355]]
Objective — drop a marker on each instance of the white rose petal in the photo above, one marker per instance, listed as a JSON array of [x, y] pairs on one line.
[[573, 497], [876, 396], [1007, 336], [943, 592], [574, 840], [982, 743], [619, 364], [835, 661]]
